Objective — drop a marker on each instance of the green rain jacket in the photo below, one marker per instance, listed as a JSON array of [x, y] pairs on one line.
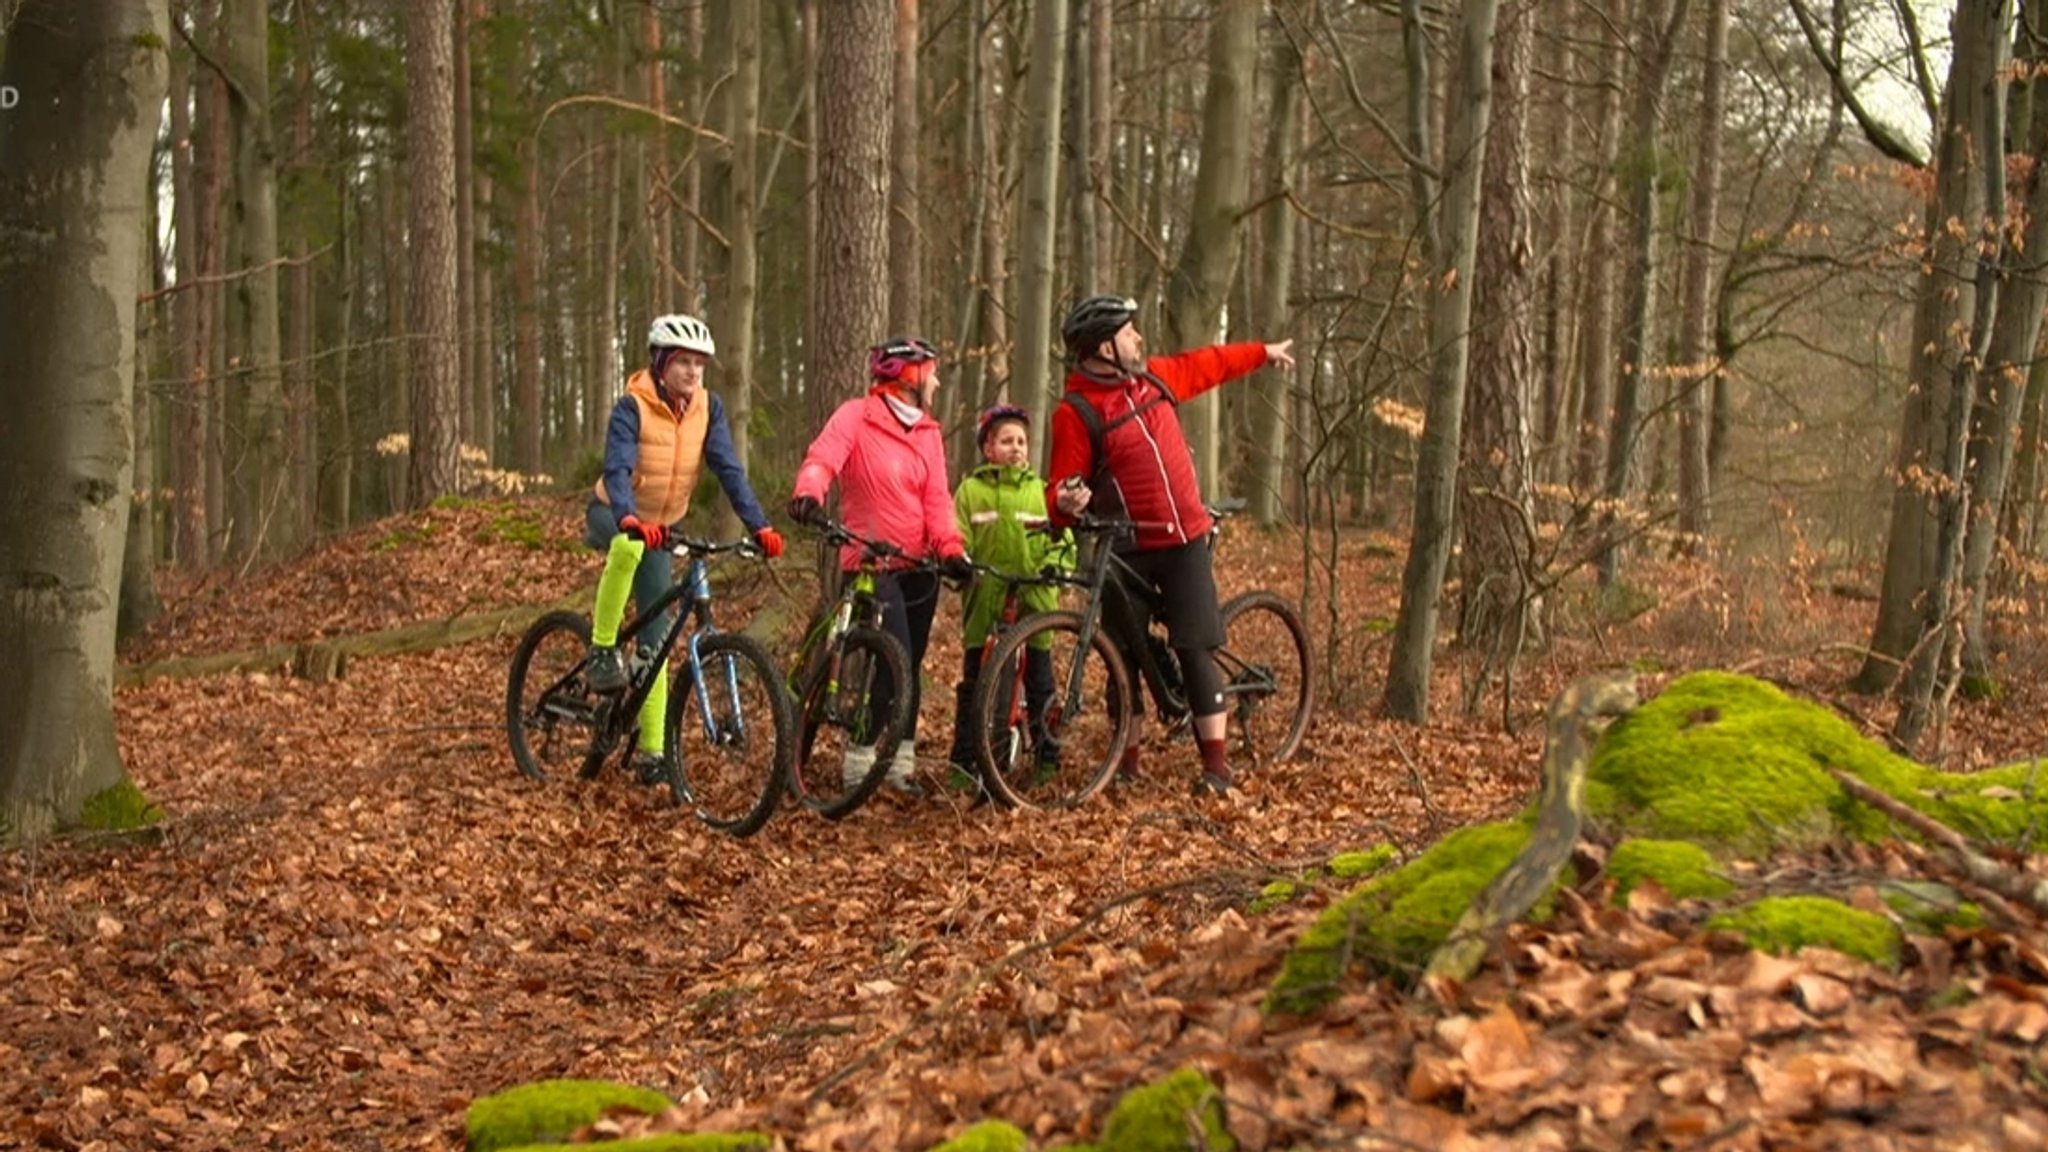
[[996, 507]]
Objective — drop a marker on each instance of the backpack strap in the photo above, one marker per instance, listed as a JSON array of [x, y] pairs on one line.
[[1099, 430]]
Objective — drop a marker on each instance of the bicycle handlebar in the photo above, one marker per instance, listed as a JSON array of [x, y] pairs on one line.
[[681, 545], [836, 532]]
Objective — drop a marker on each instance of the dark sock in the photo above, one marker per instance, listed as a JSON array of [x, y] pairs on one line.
[[1215, 758]]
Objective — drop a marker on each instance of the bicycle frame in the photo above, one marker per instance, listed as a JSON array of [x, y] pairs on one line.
[[695, 586], [857, 606]]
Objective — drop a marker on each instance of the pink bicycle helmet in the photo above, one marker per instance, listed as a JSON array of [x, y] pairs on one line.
[[898, 359]]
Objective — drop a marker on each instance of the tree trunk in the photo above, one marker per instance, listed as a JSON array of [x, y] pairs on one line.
[[526, 245], [1494, 513], [74, 183], [2014, 336], [301, 394], [1200, 284], [1596, 332], [1035, 380], [1101, 130], [189, 536], [1983, 42], [666, 287], [265, 488], [906, 193], [1657, 39], [740, 96], [1699, 369], [469, 403], [1450, 314], [1945, 297], [853, 192], [1270, 407], [139, 602], [430, 142]]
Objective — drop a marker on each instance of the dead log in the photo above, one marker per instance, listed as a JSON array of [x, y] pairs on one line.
[[1576, 718], [1981, 870], [324, 660]]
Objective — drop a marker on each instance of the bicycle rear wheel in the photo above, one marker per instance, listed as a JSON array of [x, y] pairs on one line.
[[1081, 736], [1268, 676], [553, 721], [836, 713], [732, 773]]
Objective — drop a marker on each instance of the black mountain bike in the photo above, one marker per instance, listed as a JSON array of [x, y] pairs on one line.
[[745, 729], [844, 655], [1268, 677]]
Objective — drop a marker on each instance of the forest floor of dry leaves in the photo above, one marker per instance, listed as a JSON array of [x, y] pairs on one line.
[[359, 917]]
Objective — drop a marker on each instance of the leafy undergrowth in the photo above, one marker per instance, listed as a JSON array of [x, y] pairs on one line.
[[359, 918]]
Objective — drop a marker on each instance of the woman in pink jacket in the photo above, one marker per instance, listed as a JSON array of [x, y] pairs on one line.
[[889, 457]]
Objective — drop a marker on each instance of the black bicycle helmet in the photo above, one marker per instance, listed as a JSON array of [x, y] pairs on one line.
[[1093, 321]]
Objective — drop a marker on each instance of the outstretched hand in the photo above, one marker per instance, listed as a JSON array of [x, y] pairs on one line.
[[1281, 353]]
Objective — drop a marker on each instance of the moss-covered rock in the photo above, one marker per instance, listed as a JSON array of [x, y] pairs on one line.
[[1680, 867], [1734, 763], [549, 1110], [121, 808], [988, 1136], [1784, 924], [1159, 1116], [1352, 865], [1394, 922]]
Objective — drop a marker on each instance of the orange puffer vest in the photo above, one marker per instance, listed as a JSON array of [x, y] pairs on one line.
[[671, 452]]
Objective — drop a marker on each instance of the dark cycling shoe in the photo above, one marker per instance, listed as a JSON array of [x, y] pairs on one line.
[[647, 768], [1210, 784], [606, 671]]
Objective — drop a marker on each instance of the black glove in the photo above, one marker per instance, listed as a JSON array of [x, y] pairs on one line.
[[806, 509], [956, 568]]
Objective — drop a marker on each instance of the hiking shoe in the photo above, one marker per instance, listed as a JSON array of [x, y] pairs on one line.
[[903, 770], [1210, 784], [605, 672], [857, 763]]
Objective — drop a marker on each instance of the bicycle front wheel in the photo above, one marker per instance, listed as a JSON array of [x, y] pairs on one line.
[[553, 720], [730, 766], [839, 726], [1268, 676], [1068, 750]]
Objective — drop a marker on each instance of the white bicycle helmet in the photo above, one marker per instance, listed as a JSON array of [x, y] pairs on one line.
[[680, 331]]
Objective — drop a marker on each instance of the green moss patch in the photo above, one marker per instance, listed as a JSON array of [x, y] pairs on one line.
[[1161, 1116], [1342, 866], [669, 1142], [1929, 908], [549, 1110], [987, 1136], [121, 808], [1394, 922], [1684, 869], [1731, 762], [1785, 924]]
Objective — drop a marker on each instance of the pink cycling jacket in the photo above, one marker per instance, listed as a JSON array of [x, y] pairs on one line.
[[892, 480]]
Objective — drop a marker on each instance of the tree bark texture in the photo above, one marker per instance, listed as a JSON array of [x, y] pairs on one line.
[[853, 192], [1698, 367], [74, 164], [430, 139], [1035, 378], [265, 489], [906, 196]]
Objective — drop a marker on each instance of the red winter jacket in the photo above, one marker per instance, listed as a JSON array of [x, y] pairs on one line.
[[892, 481], [1147, 464]]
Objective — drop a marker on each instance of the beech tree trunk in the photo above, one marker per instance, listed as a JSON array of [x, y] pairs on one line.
[[74, 189], [1035, 380], [265, 490]]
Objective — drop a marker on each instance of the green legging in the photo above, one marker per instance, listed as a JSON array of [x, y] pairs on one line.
[[614, 588]]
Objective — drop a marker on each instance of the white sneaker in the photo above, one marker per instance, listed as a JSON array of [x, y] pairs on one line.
[[903, 768], [859, 761]]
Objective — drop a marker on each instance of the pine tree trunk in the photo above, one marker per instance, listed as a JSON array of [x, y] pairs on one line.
[[853, 192], [1596, 331], [189, 537], [1034, 378], [74, 180], [906, 210], [1494, 513], [1271, 407], [430, 142]]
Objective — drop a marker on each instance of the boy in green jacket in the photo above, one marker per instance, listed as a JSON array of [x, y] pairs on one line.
[[1001, 509]]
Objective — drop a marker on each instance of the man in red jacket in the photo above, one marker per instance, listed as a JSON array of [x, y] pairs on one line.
[[1117, 446]]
